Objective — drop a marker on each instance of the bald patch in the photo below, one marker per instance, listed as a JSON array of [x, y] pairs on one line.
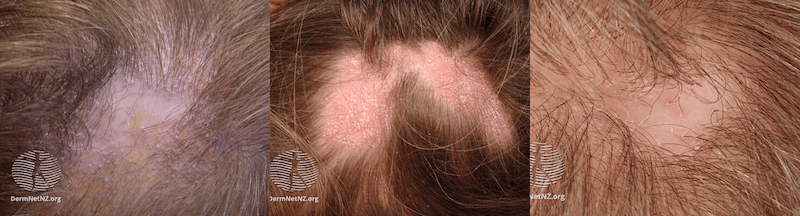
[[358, 101]]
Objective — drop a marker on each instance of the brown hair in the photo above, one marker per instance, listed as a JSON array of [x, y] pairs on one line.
[[745, 163], [57, 56], [428, 164]]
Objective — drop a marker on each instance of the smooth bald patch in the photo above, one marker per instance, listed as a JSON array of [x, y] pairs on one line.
[[130, 121], [356, 105], [670, 115]]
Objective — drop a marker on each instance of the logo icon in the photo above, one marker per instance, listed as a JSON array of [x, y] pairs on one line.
[[36, 171], [293, 171], [547, 166]]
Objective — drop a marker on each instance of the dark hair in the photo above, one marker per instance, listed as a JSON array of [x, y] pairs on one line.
[[427, 164]]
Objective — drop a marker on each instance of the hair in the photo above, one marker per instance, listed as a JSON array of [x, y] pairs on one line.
[[427, 163], [745, 163], [56, 59]]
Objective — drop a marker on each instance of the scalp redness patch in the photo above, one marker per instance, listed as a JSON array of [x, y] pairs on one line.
[[357, 103]]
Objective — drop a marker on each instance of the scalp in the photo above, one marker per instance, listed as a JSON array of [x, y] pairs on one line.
[[360, 99], [658, 71], [391, 75], [138, 100], [607, 73]]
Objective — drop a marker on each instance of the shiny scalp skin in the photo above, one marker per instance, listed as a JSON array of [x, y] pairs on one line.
[[742, 161], [58, 57], [424, 164]]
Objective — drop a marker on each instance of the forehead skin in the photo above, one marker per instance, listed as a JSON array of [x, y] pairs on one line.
[[357, 103]]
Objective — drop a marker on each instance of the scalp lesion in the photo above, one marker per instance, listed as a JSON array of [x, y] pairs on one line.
[[612, 80], [440, 141], [659, 69], [58, 64], [359, 100]]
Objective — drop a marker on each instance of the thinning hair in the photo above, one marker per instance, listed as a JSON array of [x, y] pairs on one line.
[[56, 57], [746, 163], [432, 161]]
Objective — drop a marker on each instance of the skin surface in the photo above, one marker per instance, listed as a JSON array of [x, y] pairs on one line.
[[160, 107], [359, 106], [150, 107], [275, 4], [408, 107], [667, 107], [664, 112], [131, 119]]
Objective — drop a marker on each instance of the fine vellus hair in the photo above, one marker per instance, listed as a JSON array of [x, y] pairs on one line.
[[745, 162]]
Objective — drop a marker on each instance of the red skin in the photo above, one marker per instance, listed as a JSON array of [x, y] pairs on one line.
[[357, 107]]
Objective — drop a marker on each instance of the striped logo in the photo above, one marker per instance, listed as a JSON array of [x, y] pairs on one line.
[[36, 171], [293, 171], [547, 166]]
